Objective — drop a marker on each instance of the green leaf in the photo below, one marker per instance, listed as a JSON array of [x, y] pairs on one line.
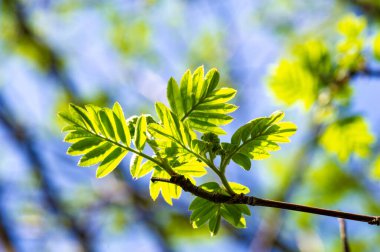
[[96, 134], [290, 82], [186, 88], [142, 170], [135, 165], [140, 133], [167, 190], [92, 112], [82, 113], [197, 103], [71, 119], [106, 123], [201, 215], [214, 224], [110, 162], [191, 168], [96, 155], [174, 98], [139, 170], [77, 134], [346, 137], [238, 188], [204, 210], [121, 124], [212, 79], [375, 168], [233, 215], [351, 25], [242, 160], [83, 146], [198, 203], [260, 136], [376, 46], [171, 132]]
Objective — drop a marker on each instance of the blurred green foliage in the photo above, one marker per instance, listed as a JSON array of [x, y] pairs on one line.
[[348, 136]]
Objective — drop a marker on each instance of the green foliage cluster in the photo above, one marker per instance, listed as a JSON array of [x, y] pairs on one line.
[[346, 136], [184, 140], [318, 75], [319, 71]]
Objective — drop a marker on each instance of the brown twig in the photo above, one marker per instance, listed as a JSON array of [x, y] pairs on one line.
[[343, 235], [188, 186]]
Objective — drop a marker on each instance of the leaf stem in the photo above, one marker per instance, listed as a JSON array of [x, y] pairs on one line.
[[167, 168], [226, 184]]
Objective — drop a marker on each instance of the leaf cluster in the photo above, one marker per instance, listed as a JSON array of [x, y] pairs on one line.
[[183, 139]]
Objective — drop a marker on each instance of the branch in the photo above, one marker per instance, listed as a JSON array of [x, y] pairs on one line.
[[5, 236], [188, 186], [26, 142], [343, 235]]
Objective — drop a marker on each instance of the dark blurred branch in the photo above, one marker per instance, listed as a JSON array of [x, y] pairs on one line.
[[145, 210], [188, 186], [52, 62], [26, 143], [56, 68], [343, 235], [371, 8], [371, 72], [5, 236]]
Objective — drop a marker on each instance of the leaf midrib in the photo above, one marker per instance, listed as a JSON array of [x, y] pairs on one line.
[[121, 146], [193, 108], [245, 143]]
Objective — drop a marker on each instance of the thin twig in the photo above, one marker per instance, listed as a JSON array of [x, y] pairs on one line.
[[343, 235], [188, 186]]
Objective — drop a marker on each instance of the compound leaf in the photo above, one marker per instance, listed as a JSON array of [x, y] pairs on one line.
[[99, 134], [260, 136], [198, 103]]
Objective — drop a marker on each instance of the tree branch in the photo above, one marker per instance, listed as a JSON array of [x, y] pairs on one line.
[[188, 186], [343, 235]]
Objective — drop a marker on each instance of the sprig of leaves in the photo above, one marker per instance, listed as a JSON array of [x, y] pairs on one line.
[[103, 137]]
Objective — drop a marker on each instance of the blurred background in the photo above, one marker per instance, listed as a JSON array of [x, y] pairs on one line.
[[315, 60]]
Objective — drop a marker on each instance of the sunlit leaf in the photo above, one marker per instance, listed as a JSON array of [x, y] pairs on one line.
[[198, 103], [291, 82], [99, 134], [110, 162], [191, 168], [259, 137], [346, 137], [139, 170], [121, 124], [140, 133], [375, 169], [376, 46]]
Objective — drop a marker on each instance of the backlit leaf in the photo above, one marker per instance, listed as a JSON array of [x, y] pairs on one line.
[[259, 137], [99, 134], [346, 137], [198, 103]]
